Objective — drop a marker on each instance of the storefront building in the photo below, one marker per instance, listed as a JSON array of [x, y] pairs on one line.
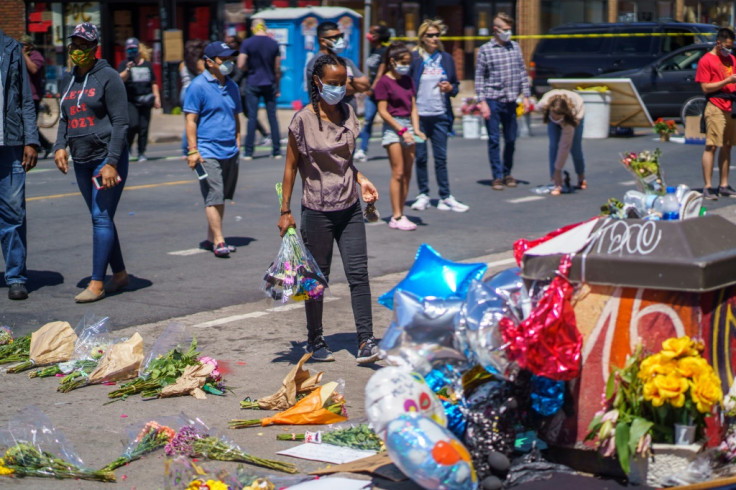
[[164, 25]]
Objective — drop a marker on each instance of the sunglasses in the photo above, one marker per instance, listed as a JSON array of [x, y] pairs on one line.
[[80, 46], [436, 34], [335, 37]]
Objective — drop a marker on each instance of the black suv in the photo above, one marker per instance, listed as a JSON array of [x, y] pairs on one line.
[[591, 56]]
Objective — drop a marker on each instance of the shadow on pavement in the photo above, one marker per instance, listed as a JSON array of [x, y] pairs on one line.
[[39, 279]]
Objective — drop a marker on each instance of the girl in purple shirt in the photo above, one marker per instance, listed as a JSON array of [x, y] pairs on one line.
[[396, 97]]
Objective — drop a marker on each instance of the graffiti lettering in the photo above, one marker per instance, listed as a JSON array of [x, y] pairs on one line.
[[632, 238]]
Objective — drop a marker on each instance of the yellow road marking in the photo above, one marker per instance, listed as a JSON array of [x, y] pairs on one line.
[[131, 188]]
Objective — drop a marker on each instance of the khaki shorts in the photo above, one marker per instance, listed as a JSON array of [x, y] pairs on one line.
[[720, 127]]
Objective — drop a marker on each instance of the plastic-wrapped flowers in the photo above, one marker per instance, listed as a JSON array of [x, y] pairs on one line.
[[294, 274]]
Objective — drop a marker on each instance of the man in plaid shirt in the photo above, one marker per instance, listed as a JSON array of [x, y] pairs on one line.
[[500, 76]]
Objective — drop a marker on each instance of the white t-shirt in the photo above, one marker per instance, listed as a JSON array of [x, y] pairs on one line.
[[430, 99]]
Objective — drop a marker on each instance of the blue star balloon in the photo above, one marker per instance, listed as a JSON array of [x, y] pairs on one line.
[[431, 276]]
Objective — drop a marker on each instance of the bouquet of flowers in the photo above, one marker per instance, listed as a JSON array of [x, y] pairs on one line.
[[644, 400], [194, 440], [153, 436], [197, 379], [35, 448], [646, 168], [293, 274], [325, 405], [295, 386], [357, 437], [6, 336], [470, 107], [163, 370], [52, 343], [182, 473], [14, 350], [665, 127]]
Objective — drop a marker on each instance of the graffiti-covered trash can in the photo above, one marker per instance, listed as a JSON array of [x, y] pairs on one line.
[[643, 282], [295, 29]]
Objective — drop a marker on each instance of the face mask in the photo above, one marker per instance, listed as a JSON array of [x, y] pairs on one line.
[[332, 94], [402, 69], [132, 53], [370, 37], [726, 51], [338, 46], [82, 56], [226, 67], [504, 36]]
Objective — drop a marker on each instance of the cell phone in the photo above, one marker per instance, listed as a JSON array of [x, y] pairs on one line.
[[200, 171], [418, 139], [98, 183]]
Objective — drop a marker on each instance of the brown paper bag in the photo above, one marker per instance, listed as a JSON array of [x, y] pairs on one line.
[[379, 464], [52, 343], [190, 382], [297, 381], [120, 362]]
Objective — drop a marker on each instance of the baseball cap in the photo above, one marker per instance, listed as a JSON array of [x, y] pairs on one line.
[[131, 43], [86, 31], [219, 48], [26, 39]]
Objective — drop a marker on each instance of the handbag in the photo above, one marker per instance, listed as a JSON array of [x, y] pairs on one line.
[[144, 100]]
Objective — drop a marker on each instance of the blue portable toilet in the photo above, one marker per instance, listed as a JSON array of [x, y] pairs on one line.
[[295, 29]]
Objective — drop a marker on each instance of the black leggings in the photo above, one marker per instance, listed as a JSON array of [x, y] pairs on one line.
[[319, 231], [139, 118]]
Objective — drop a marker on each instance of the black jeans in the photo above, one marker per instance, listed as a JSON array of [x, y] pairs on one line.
[[139, 117], [319, 231]]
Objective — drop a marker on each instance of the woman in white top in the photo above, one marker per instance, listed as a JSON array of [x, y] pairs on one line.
[[564, 112]]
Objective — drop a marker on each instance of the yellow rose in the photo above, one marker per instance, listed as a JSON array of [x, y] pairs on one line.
[[651, 394], [646, 368], [692, 367], [706, 392], [676, 347], [672, 387], [216, 485], [3, 469], [194, 485]]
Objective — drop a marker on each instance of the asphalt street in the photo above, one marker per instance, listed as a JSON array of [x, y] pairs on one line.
[[161, 223]]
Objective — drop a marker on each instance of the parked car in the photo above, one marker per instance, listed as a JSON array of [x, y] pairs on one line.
[[569, 57], [669, 82]]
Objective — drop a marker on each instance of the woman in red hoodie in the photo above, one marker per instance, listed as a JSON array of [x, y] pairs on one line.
[[93, 123]]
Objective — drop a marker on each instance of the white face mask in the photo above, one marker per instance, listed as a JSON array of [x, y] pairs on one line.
[[226, 67], [726, 51], [338, 46], [504, 36], [403, 69]]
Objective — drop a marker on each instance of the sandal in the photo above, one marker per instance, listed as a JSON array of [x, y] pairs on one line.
[[221, 250], [582, 185], [556, 191]]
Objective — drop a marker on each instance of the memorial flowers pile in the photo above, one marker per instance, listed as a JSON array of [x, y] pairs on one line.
[[646, 398], [665, 127]]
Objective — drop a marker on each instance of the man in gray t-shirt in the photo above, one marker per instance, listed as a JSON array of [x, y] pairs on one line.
[[332, 41]]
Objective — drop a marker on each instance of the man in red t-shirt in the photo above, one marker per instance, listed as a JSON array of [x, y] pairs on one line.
[[717, 79]]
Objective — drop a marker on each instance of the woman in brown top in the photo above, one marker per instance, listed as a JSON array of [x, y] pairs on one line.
[[321, 143]]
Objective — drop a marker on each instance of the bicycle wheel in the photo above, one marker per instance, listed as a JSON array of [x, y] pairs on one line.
[[694, 106], [48, 112]]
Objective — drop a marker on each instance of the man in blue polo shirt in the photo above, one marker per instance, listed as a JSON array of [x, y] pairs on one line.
[[212, 107]]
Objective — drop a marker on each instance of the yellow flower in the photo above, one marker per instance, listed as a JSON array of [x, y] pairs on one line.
[[693, 367], [216, 485], [651, 394], [672, 387], [646, 368], [706, 392], [194, 485], [676, 347], [3, 469]]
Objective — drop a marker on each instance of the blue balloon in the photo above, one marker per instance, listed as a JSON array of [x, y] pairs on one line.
[[433, 276], [547, 395]]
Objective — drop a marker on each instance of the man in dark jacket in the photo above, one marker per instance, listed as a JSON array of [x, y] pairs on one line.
[[18, 154]]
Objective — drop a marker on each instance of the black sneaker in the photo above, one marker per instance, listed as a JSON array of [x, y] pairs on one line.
[[320, 350], [17, 291], [727, 191], [710, 194], [367, 352]]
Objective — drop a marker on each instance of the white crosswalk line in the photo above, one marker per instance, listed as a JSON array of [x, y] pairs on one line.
[[525, 199], [189, 251]]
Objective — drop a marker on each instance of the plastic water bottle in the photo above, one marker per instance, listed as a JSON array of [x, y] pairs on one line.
[[670, 205]]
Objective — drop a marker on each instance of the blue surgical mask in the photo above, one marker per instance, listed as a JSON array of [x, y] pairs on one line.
[[403, 69], [726, 51], [338, 46], [332, 94]]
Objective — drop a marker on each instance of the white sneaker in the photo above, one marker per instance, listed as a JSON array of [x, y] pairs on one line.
[[360, 156], [266, 141], [421, 203], [450, 204]]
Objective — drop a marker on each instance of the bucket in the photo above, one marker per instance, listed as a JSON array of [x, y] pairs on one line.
[[597, 113], [471, 127]]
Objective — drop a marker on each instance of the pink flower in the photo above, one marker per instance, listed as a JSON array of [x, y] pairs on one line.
[[208, 360]]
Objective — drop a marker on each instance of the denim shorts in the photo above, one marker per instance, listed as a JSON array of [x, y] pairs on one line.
[[222, 177], [390, 135]]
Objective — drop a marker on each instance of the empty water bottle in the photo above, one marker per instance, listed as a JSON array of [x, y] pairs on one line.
[[670, 205]]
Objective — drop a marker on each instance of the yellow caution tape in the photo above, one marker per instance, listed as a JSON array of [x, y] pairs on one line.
[[568, 36]]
